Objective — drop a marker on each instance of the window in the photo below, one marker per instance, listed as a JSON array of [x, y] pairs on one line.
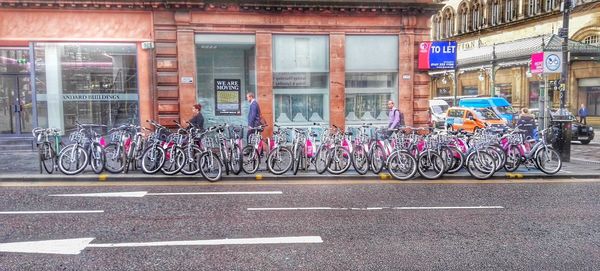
[[496, 20], [456, 113], [371, 77], [448, 23], [86, 82], [549, 5], [437, 27], [226, 58], [464, 18], [592, 40], [532, 8], [476, 17], [300, 79], [510, 10], [593, 100], [504, 90]]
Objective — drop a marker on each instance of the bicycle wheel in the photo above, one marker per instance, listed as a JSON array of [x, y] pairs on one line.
[[480, 165], [279, 160], [377, 158], [47, 155], [115, 162], [175, 162], [402, 165], [191, 163], [499, 157], [459, 160], [360, 160], [430, 165], [321, 160], [250, 159], [72, 160], [235, 156], [153, 159], [210, 166], [339, 160], [298, 159], [548, 160], [97, 158], [513, 158]]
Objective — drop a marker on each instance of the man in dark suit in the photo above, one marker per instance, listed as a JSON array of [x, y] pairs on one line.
[[253, 114]]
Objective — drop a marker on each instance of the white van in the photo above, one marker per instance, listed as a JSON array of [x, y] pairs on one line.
[[437, 110]]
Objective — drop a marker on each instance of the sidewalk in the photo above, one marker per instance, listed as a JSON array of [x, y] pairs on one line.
[[24, 166]]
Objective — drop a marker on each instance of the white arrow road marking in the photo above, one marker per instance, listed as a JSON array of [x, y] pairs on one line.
[[50, 212], [139, 194], [373, 208], [75, 246]]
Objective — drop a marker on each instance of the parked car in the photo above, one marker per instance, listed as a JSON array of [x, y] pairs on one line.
[[499, 105], [579, 131], [437, 110], [471, 119]]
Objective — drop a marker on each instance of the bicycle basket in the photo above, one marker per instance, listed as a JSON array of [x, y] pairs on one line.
[[77, 136], [209, 142]]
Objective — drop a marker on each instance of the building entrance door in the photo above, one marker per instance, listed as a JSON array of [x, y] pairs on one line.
[[15, 104]]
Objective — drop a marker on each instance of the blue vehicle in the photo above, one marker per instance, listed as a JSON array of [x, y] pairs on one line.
[[497, 104]]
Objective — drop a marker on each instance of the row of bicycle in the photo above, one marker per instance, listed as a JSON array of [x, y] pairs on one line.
[[403, 152]]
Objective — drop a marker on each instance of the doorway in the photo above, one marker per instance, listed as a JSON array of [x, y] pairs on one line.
[[16, 110]]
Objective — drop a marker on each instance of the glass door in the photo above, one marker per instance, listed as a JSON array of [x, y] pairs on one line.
[[15, 104]]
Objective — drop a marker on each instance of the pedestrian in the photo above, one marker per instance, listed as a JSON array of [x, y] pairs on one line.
[[396, 118], [527, 122], [583, 113], [254, 115], [197, 120]]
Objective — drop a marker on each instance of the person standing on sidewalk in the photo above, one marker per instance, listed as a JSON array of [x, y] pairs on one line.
[[527, 122], [583, 113], [396, 118], [198, 119], [253, 114]]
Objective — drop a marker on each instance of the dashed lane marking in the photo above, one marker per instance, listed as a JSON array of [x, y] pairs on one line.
[[50, 212], [372, 208]]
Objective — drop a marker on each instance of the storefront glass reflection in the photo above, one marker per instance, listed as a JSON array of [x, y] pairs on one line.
[[86, 82]]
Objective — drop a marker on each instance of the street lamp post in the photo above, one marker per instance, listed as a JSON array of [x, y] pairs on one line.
[[563, 121]]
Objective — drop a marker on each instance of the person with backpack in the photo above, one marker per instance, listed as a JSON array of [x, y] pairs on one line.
[[396, 118], [527, 122], [254, 115]]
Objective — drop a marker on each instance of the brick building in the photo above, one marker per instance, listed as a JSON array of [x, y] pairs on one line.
[[114, 61]]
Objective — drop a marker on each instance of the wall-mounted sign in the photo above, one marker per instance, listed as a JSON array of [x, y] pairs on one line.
[[552, 62], [85, 97], [437, 55], [187, 80], [228, 97], [537, 63], [291, 79]]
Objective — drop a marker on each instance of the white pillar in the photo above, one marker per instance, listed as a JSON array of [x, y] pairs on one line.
[[54, 86]]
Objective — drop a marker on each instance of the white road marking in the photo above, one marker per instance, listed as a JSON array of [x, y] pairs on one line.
[[76, 245], [50, 212], [372, 208], [140, 194], [218, 193]]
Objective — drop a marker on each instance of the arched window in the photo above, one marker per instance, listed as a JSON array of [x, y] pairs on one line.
[[437, 27], [476, 16], [592, 40], [510, 10], [495, 12], [464, 18], [448, 23]]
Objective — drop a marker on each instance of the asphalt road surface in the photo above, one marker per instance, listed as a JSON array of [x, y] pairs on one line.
[[320, 225]]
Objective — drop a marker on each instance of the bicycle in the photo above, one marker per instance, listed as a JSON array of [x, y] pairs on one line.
[[48, 151]]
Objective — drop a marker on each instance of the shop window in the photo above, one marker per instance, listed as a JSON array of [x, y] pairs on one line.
[[371, 78], [86, 82], [470, 90], [300, 79], [504, 91], [225, 60], [442, 92], [593, 100], [535, 88]]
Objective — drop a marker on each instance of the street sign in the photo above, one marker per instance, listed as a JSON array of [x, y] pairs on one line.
[[437, 55], [552, 62]]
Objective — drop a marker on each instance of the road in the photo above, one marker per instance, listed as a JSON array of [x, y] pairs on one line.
[[347, 225]]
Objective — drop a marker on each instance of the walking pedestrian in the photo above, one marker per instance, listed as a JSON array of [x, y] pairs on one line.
[[583, 113], [527, 122], [254, 115], [396, 118]]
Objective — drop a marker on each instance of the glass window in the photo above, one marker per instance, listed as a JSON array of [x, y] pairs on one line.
[[470, 90], [300, 79], [225, 58], [592, 40], [504, 91], [86, 82], [371, 78], [593, 100]]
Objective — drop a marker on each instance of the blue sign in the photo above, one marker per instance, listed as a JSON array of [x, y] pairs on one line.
[[442, 55]]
